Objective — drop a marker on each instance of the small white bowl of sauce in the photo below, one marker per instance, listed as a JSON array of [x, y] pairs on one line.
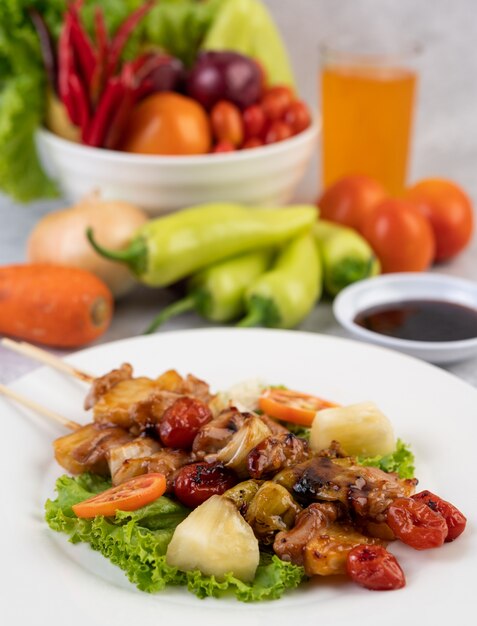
[[428, 316]]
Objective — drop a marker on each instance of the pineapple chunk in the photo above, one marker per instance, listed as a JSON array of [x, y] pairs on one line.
[[216, 540], [361, 429]]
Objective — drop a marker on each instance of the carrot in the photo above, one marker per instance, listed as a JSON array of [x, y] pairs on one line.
[[57, 306]]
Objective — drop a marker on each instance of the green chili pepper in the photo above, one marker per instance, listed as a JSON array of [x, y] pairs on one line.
[[283, 296], [346, 256], [218, 292], [173, 247]]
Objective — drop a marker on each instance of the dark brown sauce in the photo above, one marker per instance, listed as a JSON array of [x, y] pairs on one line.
[[421, 320]]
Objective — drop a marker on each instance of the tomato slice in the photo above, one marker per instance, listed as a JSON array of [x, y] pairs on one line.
[[131, 495], [292, 406], [373, 567]]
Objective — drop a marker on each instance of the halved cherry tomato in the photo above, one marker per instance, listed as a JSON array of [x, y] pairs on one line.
[[415, 524], [375, 568], [129, 496], [455, 520], [292, 406]]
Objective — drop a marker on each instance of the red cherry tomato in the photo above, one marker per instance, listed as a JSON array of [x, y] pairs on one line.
[[297, 116], [400, 236], [277, 131], [223, 146], [253, 121], [197, 482], [450, 212], [350, 200], [130, 496], [416, 524], [182, 421], [455, 520], [375, 568], [226, 122], [276, 101], [253, 142]]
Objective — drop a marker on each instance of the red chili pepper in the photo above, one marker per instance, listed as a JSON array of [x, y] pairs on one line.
[[123, 33], [65, 69], [108, 104], [81, 101], [102, 48], [84, 53], [47, 48]]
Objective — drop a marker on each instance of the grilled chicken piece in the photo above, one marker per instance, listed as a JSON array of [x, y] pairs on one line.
[[138, 403], [165, 461], [366, 491], [135, 449], [87, 449], [276, 453], [275, 428], [104, 383], [217, 433], [318, 541]]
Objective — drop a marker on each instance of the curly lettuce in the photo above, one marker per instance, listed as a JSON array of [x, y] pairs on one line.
[[401, 461], [137, 541]]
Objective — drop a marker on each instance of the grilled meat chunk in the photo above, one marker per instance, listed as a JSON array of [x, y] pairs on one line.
[[104, 383], [217, 433], [276, 453], [87, 449], [117, 405], [135, 449], [318, 541], [365, 491], [275, 427], [165, 461]]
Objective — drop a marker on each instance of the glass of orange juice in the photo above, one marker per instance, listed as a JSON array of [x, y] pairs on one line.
[[367, 103]]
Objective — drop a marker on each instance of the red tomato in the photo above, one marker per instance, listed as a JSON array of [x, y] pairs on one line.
[[292, 406], [297, 116], [276, 101], [455, 520], [181, 422], [400, 236], [450, 212], [197, 482], [167, 123], [253, 142], [277, 131], [375, 568], [350, 200], [226, 122], [416, 524], [253, 121], [223, 146], [131, 495]]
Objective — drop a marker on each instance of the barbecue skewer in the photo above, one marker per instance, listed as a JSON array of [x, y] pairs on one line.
[[38, 408], [37, 354]]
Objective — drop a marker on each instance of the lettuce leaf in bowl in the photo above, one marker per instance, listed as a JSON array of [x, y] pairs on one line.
[[137, 541]]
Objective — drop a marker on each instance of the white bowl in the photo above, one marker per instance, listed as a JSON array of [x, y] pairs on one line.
[[394, 288], [265, 176]]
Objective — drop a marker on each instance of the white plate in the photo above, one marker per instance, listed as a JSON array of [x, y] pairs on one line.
[[405, 286], [45, 580]]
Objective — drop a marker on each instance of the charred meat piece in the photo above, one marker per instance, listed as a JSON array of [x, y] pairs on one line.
[[135, 449], [318, 541], [165, 461], [276, 453], [274, 426], [104, 383], [87, 449], [217, 433], [365, 491]]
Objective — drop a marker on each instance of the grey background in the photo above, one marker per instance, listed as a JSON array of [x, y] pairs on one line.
[[445, 129]]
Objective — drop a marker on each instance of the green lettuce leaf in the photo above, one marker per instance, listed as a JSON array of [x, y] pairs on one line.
[[137, 541], [400, 461]]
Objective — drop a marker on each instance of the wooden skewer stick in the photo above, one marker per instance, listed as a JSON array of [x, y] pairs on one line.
[[28, 350], [38, 408]]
